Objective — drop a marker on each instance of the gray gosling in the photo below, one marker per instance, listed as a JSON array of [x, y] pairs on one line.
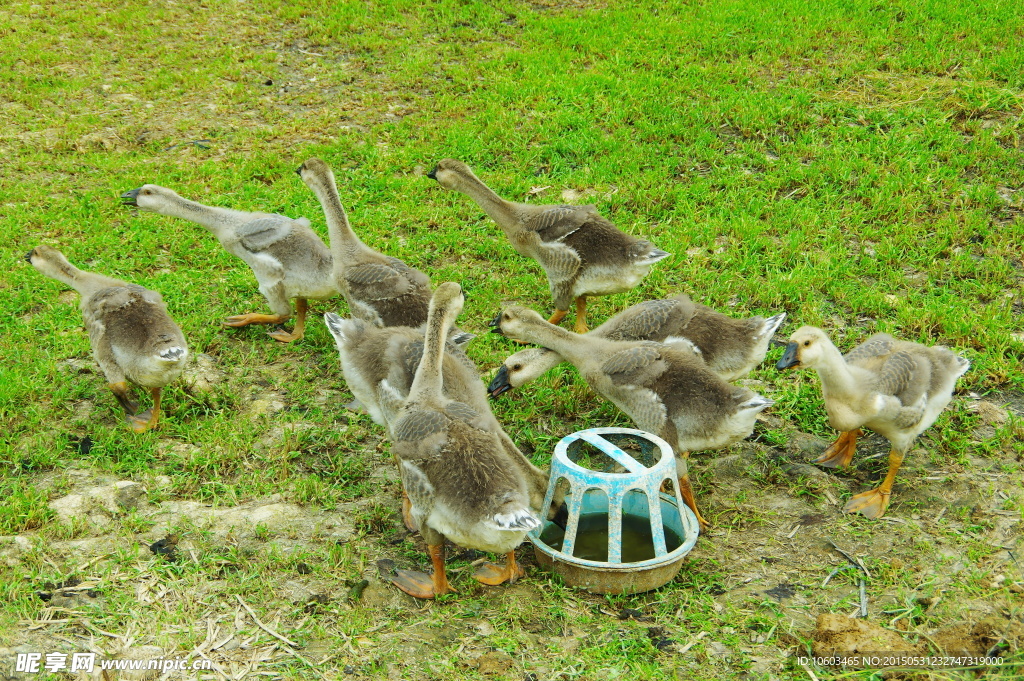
[[132, 336], [378, 288], [896, 388], [371, 355], [287, 257], [664, 390], [729, 347], [582, 253], [463, 483]]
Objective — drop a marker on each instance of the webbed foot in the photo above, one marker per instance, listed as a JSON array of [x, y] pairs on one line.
[[493, 574], [253, 318], [870, 504], [839, 454], [283, 336], [419, 584]]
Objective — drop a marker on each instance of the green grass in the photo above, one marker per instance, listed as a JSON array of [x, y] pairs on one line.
[[857, 165]]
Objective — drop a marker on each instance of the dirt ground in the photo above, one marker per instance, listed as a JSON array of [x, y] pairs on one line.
[[940, 573]]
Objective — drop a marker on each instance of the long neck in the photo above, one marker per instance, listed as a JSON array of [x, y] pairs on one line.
[[501, 211], [211, 217], [836, 377], [343, 240], [565, 344], [427, 381], [86, 283], [547, 361]]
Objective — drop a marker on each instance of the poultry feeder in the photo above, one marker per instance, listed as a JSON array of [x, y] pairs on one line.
[[616, 531]]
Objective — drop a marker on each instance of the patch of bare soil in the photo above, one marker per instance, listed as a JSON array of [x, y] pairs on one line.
[[841, 636]]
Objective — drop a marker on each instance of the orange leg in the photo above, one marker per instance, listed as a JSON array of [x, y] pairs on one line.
[[686, 489], [872, 504], [581, 315], [492, 575], [558, 316], [840, 453], [425, 586], [300, 324], [140, 423], [124, 398], [407, 513]]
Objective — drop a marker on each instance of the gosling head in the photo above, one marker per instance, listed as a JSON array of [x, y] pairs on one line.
[[47, 260], [805, 349], [313, 171], [521, 368], [448, 298], [451, 174], [149, 197], [513, 320]]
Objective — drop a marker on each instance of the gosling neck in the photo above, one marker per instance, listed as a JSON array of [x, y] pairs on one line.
[[211, 217], [562, 343], [63, 271], [546, 361], [836, 377], [501, 211], [85, 283], [427, 382], [344, 241]]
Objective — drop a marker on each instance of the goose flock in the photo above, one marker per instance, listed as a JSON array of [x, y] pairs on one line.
[[668, 364]]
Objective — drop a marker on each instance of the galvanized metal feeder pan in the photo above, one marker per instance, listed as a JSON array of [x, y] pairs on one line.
[[608, 475]]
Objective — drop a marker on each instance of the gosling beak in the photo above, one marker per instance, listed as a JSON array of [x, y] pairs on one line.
[[561, 516], [789, 358], [28, 256], [499, 384], [298, 171], [130, 198], [495, 323], [433, 173]]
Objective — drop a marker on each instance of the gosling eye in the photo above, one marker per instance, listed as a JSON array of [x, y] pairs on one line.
[[506, 317], [807, 343], [517, 367], [146, 191]]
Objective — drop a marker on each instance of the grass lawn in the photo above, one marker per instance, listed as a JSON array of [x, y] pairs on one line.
[[858, 165]]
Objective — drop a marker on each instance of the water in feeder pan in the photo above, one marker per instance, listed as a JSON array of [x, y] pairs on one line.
[[610, 537]]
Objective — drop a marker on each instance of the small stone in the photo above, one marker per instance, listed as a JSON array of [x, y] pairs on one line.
[[717, 649], [494, 662], [804, 470], [989, 412], [11, 549], [128, 494], [296, 592], [202, 374], [70, 506], [806, 444]]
